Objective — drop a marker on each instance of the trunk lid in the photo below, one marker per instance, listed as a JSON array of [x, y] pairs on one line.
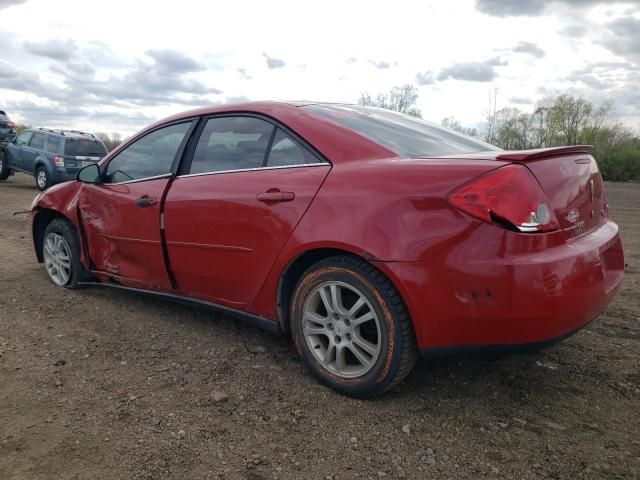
[[572, 182]]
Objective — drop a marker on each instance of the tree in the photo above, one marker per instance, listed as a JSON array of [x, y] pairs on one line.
[[399, 99], [21, 127], [490, 115], [453, 124], [110, 141]]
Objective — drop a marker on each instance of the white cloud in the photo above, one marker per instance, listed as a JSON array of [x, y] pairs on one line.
[[136, 61]]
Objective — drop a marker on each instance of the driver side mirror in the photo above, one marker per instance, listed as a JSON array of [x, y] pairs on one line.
[[89, 174]]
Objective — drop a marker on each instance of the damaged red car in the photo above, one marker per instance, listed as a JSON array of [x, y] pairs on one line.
[[370, 236]]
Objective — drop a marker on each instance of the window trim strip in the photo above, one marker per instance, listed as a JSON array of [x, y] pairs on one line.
[[280, 167]]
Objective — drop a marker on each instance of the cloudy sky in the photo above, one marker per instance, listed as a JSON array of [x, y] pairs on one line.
[[119, 65]]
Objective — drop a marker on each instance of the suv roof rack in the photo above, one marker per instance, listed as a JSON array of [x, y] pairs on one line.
[[80, 132], [50, 130]]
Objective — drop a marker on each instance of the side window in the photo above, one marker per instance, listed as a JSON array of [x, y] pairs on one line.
[[150, 156], [52, 144], [231, 143], [37, 141], [287, 151], [23, 138]]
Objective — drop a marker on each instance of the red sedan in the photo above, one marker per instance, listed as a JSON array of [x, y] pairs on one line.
[[369, 235]]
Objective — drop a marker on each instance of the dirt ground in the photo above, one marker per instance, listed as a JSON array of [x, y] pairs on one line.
[[108, 384]]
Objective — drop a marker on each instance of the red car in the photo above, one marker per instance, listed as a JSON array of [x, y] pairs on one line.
[[369, 235]]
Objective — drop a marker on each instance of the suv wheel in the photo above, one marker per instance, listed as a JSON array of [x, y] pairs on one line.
[[352, 328], [61, 254], [42, 179], [5, 171]]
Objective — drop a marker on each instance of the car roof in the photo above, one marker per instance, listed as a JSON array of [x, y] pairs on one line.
[[263, 107]]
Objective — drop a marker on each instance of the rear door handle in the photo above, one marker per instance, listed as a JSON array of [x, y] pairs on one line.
[[145, 201], [273, 196]]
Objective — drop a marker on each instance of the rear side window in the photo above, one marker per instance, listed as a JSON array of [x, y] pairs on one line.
[[405, 135], [285, 150], [37, 141], [231, 143], [150, 156], [84, 147], [52, 144]]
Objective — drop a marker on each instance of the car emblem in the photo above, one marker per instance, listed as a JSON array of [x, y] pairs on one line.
[[573, 216]]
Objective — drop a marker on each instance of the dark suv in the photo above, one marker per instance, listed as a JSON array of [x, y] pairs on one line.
[[51, 156], [7, 127]]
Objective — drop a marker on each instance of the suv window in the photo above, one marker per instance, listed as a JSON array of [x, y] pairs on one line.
[[37, 141], [52, 144], [150, 156], [23, 138], [407, 136], [287, 151], [231, 143], [84, 147]]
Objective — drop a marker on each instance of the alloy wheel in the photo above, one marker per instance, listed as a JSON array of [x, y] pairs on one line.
[[342, 329], [42, 179], [57, 258]]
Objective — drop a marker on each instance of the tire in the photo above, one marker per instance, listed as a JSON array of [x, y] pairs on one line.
[[60, 242], [376, 339], [43, 181], [5, 171]]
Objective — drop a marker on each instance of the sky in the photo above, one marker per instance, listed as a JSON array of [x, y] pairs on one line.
[[117, 66]]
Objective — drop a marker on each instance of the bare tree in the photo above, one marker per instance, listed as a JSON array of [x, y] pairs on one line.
[[399, 99], [110, 141], [490, 116]]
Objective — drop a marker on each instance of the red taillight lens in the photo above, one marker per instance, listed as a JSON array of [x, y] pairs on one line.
[[508, 196], [12, 125], [58, 161]]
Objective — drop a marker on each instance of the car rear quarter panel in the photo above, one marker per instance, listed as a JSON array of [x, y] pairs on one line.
[[391, 210]]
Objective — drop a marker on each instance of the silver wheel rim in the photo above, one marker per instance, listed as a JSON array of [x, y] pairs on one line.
[[57, 258], [341, 329], [42, 179]]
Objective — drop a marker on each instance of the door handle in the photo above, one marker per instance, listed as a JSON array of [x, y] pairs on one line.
[[145, 201], [273, 196]]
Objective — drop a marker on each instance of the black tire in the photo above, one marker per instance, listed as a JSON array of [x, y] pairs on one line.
[[45, 182], [5, 171], [64, 228], [396, 339]]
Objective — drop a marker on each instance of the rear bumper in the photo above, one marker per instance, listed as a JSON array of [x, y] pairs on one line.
[[497, 288]]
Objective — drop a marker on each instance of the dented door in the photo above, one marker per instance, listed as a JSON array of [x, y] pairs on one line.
[[122, 226]]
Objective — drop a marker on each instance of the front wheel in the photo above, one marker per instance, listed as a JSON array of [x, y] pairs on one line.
[[5, 171], [61, 254], [352, 328], [42, 178]]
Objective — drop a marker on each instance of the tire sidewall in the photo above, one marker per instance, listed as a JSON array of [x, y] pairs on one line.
[[5, 171], [67, 231], [47, 183], [383, 372]]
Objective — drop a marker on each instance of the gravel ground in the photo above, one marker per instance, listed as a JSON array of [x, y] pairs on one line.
[[109, 384]]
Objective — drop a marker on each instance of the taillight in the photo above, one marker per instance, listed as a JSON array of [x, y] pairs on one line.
[[508, 196], [58, 161], [12, 125]]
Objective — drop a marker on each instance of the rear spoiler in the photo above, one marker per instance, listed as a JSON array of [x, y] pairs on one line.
[[528, 155]]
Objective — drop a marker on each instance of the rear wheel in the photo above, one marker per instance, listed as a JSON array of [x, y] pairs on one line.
[[5, 171], [351, 327], [61, 254], [42, 178]]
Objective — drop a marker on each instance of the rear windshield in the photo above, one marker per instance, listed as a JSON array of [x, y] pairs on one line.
[[84, 147], [405, 135]]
